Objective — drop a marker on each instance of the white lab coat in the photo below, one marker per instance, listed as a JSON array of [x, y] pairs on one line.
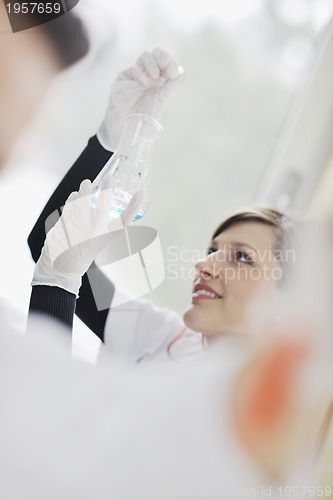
[[140, 332]]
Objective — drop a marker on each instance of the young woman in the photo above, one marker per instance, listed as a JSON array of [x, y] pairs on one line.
[[242, 265]]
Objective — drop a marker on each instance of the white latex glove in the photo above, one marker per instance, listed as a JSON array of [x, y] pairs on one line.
[[79, 236], [143, 88]]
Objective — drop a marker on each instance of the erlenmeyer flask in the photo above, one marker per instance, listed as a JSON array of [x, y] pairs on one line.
[[130, 164]]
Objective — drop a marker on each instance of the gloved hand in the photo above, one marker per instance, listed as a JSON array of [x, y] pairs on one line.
[[79, 236], [143, 88]]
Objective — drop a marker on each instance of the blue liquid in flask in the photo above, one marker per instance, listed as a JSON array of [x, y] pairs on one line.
[[115, 210]]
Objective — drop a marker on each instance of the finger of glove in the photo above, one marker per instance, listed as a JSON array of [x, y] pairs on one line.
[[77, 222], [125, 76], [133, 74], [81, 206], [161, 57], [75, 218], [80, 211], [57, 238], [101, 213], [148, 64], [132, 208], [85, 188], [73, 196], [134, 79], [171, 84], [172, 70], [139, 76]]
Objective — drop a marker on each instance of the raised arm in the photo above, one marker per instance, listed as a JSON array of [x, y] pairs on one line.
[[87, 166]]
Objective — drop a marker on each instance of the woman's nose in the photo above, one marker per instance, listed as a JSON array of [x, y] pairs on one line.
[[208, 268]]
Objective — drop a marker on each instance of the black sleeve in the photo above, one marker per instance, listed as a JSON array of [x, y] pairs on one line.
[[87, 166], [54, 303]]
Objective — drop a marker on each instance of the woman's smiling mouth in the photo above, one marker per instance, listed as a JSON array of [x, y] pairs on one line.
[[203, 291]]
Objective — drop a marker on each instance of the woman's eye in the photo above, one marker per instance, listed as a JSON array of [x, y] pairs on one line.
[[211, 250], [243, 257]]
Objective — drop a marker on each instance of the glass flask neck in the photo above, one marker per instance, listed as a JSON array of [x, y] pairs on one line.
[[140, 131]]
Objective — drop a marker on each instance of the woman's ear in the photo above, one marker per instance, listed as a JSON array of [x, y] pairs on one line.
[[273, 420]]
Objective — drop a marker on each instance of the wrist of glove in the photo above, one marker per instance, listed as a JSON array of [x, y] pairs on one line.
[[143, 88], [79, 236]]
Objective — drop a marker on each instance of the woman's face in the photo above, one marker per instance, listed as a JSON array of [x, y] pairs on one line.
[[238, 275]]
